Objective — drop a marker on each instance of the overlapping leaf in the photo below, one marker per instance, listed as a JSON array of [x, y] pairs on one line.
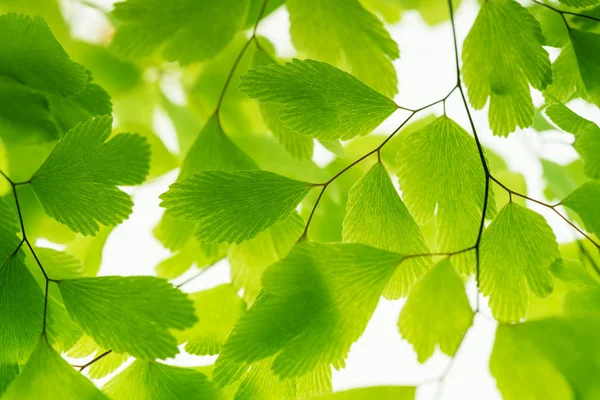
[[77, 183], [369, 59], [144, 380], [42, 91], [299, 146], [433, 12], [316, 302], [183, 31], [517, 250], [21, 312], [583, 296], [258, 381], [211, 150], [374, 392], [129, 314], [376, 216], [29, 44], [440, 173], [248, 260], [8, 231], [585, 202], [217, 309], [587, 136], [87, 348], [437, 312], [234, 206], [47, 376], [580, 3], [553, 358], [317, 99], [502, 55]]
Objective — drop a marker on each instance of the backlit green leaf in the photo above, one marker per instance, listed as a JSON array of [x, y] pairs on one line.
[[517, 250], [77, 183], [374, 392], [28, 44], [299, 146], [535, 360], [376, 216], [585, 201], [440, 173], [502, 55], [248, 260], [129, 314], [315, 303], [587, 136], [21, 312], [437, 312], [234, 206], [184, 31], [317, 99], [9, 226], [586, 47], [145, 380], [580, 3], [369, 59], [47, 376], [217, 309], [211, 150]]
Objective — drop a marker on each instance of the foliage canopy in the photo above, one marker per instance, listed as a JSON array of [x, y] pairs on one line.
[[420, 213]]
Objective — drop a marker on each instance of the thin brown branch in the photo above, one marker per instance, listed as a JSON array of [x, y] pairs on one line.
[[95, 360]]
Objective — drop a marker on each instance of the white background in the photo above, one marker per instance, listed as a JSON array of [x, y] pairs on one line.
[[426, 72]]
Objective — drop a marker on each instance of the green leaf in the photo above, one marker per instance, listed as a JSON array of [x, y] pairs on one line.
[[583, 296], [299, 146], [92, 101], [587, 136], [42, 92], [21, 312], [211, 150], [9, 226], [183, 31], [316, 302], [584, 201], [440, 173], [32, 56], [259, 382], [437, 312], [376, 216], [77, 183], [144, 380], [317, 99], [248, 260], [47, 376], [374, 392], [586, 46], [369, 59], [503, 53], [580, 3], [8, 372], [129, 314], [86, 347], [217, 310], [517, 250], [432, 12], [58, 264], [234, 206], [214, 150], [572, 271], [193, 252], [534, 360], [562, 180]]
